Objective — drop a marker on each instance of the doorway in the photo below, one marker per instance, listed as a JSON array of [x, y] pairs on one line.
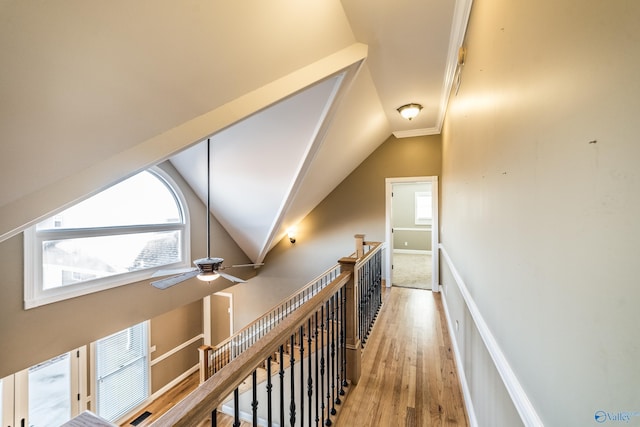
[[218, 317], [412, 232], [49, 393]]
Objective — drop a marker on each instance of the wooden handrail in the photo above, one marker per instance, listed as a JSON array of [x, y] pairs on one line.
[[371, 252], [198, 405]]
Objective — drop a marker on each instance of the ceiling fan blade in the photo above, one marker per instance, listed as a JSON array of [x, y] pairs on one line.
[[232, 278], [170, 281], [172, 271]]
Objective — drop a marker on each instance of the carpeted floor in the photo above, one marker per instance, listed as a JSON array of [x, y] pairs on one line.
[[411, 270]]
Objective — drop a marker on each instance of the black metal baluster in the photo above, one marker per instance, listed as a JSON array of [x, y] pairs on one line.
[[322, 363], [301, 343], [328, 395], [236, 408], [214, 418], [363, 295], [309, 376], [340, 346], [333, 354], [269, 388], [343, 328], [254, 402], [292, 406], [317, 368], [281, 373]]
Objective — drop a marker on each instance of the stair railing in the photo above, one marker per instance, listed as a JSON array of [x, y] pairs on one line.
[[212, 359], [315, 349]]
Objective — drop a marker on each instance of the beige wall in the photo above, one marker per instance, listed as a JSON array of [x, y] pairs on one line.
[[169, 331], [35, 335], [540, 204], [356, 206]]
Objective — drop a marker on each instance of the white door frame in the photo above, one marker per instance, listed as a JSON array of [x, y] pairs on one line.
[[435, 277], [206, 306]]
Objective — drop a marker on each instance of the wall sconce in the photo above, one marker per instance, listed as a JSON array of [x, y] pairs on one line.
[[410, 111], [292, 235]]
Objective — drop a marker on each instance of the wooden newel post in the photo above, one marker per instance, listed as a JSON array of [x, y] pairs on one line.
[[359, 245], [205, 356], [352, 343]]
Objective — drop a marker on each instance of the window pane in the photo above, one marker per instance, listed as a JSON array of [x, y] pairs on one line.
[[122, 372], [69, 261], [423, 207], [50, 392], [141, 199]]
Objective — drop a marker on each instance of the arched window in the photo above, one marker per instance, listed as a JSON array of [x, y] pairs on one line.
[[118, 236]]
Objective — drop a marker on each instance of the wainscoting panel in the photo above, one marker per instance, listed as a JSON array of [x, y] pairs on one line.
[[492, 392]]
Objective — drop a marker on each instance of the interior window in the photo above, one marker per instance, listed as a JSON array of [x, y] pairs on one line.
[[122, 372], [118, 236]]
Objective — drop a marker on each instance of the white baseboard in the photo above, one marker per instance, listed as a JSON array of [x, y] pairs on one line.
[[411, 251], [520, 399], [466, 393]]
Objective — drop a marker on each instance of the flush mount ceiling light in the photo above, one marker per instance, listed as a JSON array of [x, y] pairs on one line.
[[410, 111]]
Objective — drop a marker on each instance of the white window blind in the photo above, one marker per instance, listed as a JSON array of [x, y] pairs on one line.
[[122, 372]]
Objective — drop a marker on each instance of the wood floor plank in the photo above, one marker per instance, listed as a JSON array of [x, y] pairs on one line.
[[408, 377], [408, 370]]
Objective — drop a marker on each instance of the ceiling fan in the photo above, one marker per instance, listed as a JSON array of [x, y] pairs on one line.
[[207, 269]]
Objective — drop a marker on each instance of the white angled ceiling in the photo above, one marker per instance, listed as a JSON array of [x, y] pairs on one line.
[[257, 164], [294, 94]]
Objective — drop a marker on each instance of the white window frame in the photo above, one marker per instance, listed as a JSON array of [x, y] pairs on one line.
[[35, 295], [420, 218]]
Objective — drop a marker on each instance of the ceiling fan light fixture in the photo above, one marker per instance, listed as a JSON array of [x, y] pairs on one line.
[[209, 276], [410, 111]]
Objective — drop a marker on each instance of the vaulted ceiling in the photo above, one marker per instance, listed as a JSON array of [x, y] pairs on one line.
[[294, 95]]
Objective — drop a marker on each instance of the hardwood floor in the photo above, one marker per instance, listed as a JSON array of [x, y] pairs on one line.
[[408, 371]]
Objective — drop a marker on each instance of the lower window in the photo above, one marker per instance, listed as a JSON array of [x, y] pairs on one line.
[[122, 372]]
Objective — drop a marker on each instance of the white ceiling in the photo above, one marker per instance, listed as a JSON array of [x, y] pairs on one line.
[[295, 95], [259, 165]]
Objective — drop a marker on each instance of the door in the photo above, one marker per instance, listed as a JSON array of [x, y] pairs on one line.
[[412, 232], [48, 393]]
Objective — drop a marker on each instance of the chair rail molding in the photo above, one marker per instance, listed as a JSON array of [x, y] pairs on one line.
[[520, 399]]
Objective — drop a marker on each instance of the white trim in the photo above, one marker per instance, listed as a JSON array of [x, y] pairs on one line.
[[435, 269], [206, 320], [176, 349], [21, 396], [411, 251], [416, 132], [411, 229], [518, 396], [82, 379], [7, 400], [466, 393], [461, 13]]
